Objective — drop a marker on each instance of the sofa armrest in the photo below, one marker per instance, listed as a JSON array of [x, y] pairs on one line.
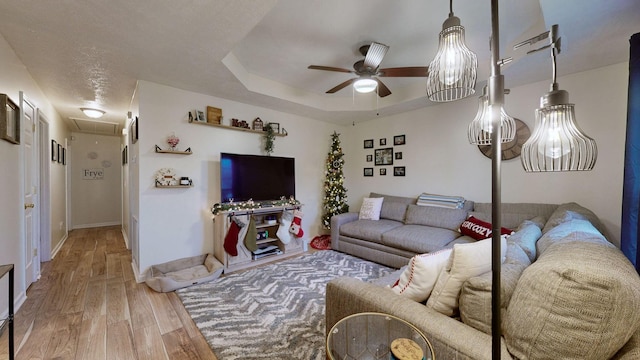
[[336, 222], [450, 338]]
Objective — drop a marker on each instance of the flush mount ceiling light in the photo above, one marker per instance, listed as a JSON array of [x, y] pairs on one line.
[[453, 70], [92, 113], [481, 127], [365, 85], [557, 143]]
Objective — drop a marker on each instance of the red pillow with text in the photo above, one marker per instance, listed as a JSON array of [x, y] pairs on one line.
[[478, 229]]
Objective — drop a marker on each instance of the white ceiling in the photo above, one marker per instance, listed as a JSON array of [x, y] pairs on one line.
[[90, 53]]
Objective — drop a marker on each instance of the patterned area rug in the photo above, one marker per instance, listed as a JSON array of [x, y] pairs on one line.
[[275, 311]]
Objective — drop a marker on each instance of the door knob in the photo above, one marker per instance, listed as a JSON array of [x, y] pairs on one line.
[[27, 206]]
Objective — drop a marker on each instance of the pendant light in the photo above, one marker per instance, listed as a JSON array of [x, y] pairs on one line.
[[453, 70], [557, 143], [480, 128]]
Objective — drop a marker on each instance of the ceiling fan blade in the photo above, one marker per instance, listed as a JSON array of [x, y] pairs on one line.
[[411, 71], [341, 86], [375, 54], [383, 90], [329, 68]]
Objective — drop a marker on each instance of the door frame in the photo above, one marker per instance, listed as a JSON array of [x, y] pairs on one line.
[[45, 187]]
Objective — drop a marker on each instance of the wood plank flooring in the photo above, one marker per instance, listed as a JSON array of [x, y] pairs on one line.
[[88, 306]]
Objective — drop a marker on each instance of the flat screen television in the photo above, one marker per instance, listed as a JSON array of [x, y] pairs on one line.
[[261, 178]]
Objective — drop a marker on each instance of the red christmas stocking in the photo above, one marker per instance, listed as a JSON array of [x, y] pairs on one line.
[[296, 224], [231, 239]]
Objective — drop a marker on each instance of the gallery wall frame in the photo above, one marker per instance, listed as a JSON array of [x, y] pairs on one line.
[[9, 120], [368, 144], [368, 171], [399, 140], [60, 154], [384, 156]]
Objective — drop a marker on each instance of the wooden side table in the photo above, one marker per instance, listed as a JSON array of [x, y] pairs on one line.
[[370, 335], [8, 269]]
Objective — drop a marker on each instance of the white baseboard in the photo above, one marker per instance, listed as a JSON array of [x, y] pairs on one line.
[[140, 278], [125, 237], [59, 246], [17, 304], [86, 226]]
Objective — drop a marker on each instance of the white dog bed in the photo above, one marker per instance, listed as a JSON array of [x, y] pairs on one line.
[[185, 272]]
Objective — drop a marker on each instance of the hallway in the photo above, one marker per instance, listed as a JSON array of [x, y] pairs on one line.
[[87, 305]]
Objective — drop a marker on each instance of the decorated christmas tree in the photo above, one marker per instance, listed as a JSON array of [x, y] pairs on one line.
[[335, 194]]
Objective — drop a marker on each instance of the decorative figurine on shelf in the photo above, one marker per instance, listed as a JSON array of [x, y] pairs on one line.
[[173, 141], [257, 124]]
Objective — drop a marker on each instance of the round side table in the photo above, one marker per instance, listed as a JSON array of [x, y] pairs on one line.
[[369, 336]]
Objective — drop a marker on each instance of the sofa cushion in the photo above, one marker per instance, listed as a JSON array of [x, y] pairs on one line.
[[479, 229], [418, 239], [417, 281], [572, 230], [435, 216], [579, 300], [370, 209], [510, 221], [393, 210], [544, 210], [572, 211], [370, 230], [475, 296], [526, 238], [393, 198], [466, 261]]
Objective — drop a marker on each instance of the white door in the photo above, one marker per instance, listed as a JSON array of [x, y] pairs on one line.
[[32, 227]]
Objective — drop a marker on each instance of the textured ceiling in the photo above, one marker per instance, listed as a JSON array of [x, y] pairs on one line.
[[91, 53]]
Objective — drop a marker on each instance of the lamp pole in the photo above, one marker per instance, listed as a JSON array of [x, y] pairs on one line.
[[496, 100]]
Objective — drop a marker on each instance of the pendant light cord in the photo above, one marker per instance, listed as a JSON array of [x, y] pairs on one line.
[[450, 8]]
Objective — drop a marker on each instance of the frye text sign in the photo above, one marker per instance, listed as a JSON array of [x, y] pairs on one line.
[[93, 174]]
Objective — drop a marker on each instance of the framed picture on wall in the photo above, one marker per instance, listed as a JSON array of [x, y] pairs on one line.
[[399, 140], [59, 154], [383, 141], [369, 158], [383, 171], [398, 171], [9, 120], [398, 155], [54, 150], [64, 156], [384, 156], [134, 131], [368, 171], [368, 144]]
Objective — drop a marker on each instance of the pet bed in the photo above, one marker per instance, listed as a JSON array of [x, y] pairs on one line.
[[184, 272]]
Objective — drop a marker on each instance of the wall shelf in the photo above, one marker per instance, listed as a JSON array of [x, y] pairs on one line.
[[234, 128], [160, 151], [173, 186]]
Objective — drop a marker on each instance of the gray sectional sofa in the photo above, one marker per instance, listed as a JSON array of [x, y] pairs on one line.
[[567, 293], [406, 229]]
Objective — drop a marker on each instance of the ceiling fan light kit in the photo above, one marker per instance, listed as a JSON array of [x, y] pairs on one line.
[[454, 68], [93, 113], [365, 85]]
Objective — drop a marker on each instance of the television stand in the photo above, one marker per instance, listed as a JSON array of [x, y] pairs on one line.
[[264, 223]]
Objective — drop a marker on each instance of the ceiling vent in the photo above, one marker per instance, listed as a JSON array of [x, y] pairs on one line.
[[96, 127]]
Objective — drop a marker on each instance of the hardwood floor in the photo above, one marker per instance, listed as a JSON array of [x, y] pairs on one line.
[[87, 305]]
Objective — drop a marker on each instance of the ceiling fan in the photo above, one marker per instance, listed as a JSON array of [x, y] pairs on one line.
[[368, 71]]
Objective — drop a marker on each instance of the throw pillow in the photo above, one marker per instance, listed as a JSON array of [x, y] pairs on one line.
[[478, 229], [466, 261], [370, 209], [417, 280], [577, 301]]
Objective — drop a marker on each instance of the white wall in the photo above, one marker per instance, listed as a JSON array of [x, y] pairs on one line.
[[439, 159], [16, 78], [95, 202], [176, 223]]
